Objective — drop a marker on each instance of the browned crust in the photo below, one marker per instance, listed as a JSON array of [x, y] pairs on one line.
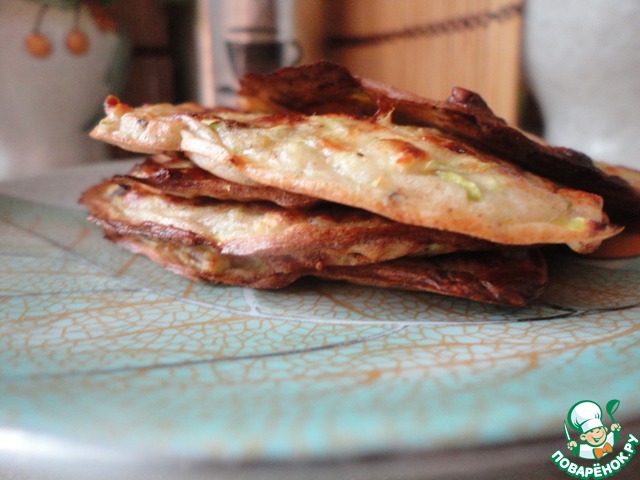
[[166, 138], [510, 279], [471, 219], [326, 234], [325, 87], [268, 273], [184, 179], [407, 201], [514, 279]]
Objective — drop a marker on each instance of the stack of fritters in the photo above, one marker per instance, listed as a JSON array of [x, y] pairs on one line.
[[323, 174]]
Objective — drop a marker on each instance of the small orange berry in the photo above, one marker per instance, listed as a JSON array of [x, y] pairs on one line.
[[38, 45], [77, 42]]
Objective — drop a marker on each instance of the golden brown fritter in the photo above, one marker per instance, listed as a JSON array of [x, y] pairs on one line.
[[511, 279], [413, 175], [325, 87], [180, 177], [328, 175], [327, 234]]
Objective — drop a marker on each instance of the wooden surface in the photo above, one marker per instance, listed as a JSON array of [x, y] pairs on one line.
[[483, 56]]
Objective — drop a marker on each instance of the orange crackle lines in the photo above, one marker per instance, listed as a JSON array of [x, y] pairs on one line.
[[123, 269], [82, 234], [529, 359], [340, 303], [629, 347], [401, 368], [372, 375], [170, 365], [147, 340], [188, 289], [95, 309], [427, 300], [51, 319], [576, 350]]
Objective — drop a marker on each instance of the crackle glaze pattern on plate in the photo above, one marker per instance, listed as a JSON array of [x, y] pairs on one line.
[[105, 348]]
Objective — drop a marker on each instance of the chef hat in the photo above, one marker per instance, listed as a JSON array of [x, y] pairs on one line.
[[585, 416]]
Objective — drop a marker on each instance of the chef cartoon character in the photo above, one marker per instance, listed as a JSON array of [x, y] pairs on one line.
[[596, 440]]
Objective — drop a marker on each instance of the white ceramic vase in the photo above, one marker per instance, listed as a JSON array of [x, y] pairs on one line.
[[48, 102], [582, 58]]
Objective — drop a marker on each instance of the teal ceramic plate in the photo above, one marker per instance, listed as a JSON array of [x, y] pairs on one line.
[[106, 350]]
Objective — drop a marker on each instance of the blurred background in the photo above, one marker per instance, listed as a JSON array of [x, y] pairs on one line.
[[60, 58], [424, 46]]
